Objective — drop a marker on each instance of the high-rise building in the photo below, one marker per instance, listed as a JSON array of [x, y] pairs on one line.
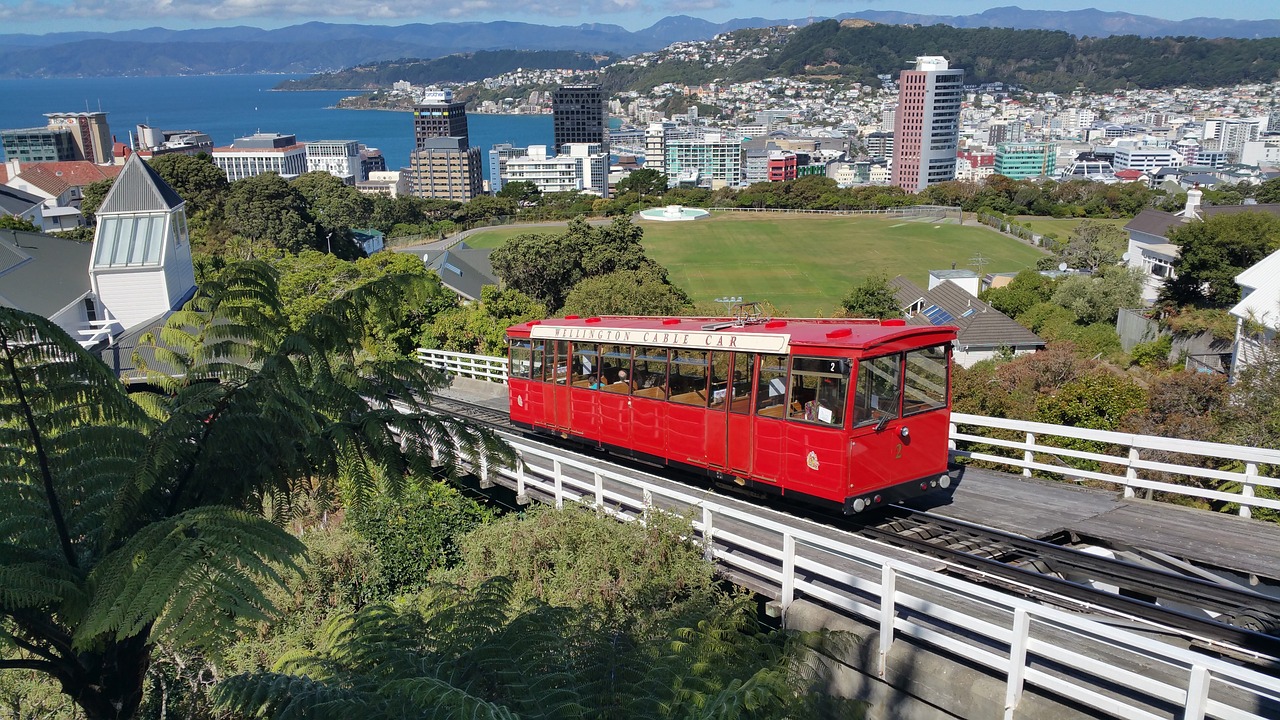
[[579, 116], [90, 132], [446, 168], [439, 116], [880, 144], [926, 130], [655, 146], [38, 145], [1025, 160]]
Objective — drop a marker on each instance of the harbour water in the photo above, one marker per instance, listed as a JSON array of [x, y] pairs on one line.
[[230, 106]]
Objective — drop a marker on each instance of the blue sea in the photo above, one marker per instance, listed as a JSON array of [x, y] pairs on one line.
[[231, 106]]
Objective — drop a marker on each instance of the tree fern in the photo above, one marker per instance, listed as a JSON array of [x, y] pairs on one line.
[[130, 518]]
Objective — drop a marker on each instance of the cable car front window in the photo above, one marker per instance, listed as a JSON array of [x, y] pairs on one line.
[[925, 385], [876, 399]]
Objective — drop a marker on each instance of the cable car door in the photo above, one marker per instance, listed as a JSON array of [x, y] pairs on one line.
[[877, 443], [558, 379], [739, 434]]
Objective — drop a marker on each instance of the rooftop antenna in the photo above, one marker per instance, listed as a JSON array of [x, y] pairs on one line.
[[979, 262]]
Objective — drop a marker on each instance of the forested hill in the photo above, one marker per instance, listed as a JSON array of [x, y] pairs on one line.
[[1036, 59], [463, 67]]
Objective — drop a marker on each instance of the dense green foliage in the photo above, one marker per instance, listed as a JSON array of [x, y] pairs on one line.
[[872, 298], [13, 222], [547, 266], [481, 328], [1213, 252], [1037, 59], [626, 292], [137, 520], [555, 614]]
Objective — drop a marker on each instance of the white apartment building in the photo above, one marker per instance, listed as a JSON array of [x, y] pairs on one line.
[[583, 169], [392, 183], [262, 153], [1146, 158], [1265, 151], [714, 157], [339, 158]]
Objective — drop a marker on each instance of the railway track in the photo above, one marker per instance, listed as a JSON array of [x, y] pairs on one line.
[[1219, 618]]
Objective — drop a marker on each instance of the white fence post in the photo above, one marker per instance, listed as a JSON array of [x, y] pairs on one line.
[[1028, 456], [1017, 661], [1197, 693], [599, 490], [788, 572], [1246, 489], [1131, 472], [708, 530], [888, 611], [522, 498], [559, 480]]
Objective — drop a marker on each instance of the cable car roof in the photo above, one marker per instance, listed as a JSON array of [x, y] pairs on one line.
[[703, 333]]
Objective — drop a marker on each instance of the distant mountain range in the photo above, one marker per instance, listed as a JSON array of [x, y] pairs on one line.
[[317, 47]]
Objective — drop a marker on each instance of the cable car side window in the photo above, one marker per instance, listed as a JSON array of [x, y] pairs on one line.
[[586, 365], [925, 386], [876, 397], [771, 386], [818, 390], [650, 378], [539, 354], [689, 377], [521, 358], [740, 387], [615, 368], [561, 372]]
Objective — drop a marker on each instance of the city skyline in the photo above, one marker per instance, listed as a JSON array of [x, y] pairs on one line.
[[47, 16]]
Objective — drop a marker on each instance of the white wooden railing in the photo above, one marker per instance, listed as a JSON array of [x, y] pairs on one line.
[[1110, 670], [1230, 473]]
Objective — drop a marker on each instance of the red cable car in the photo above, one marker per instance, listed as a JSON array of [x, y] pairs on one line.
[[846, 413]]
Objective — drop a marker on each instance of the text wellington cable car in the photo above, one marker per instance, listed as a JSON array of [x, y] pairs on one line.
[[851, 413]]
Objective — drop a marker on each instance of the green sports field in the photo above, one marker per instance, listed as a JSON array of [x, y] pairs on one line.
[[805, 265], [1062, 227]]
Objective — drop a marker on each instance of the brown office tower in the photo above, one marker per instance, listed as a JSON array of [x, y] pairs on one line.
[[445, 168], [926, 131], [439, 116], [579, 116]]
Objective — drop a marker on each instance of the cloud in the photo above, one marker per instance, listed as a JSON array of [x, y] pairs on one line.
[[226, 10]]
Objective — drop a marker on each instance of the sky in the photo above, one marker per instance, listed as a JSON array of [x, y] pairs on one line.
[[44, 16]]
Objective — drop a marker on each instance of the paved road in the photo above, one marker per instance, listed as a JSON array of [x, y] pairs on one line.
[[437, 246]]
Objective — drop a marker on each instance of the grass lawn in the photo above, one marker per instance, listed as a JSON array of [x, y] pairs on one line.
[[1062, 227], [805, 265]]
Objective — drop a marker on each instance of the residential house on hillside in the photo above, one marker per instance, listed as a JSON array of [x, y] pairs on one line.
[[21, 204], [464, 270], [983, 330], [1258, 312], [45, 275], [59, 185], [128, 281], [1149, 248]]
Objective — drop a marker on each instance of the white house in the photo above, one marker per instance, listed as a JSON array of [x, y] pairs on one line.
[[1258, 312], [140, 267]]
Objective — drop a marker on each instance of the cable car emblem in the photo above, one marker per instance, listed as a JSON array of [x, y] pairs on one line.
[[812, 460]]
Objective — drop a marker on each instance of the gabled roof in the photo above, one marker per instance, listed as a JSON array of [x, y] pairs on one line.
[[42, 274], [981, 326], [56, 178], [15, 202], [1261, 285], [139, 189], [1160, 224], [464, 270]]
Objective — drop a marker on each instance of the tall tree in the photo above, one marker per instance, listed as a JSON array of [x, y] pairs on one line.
[[269, 213], [195, 178], [93, 195], [626, 292], [645, 182], [1093, 244], [1214, 251], [129, 520], [872, 298]]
